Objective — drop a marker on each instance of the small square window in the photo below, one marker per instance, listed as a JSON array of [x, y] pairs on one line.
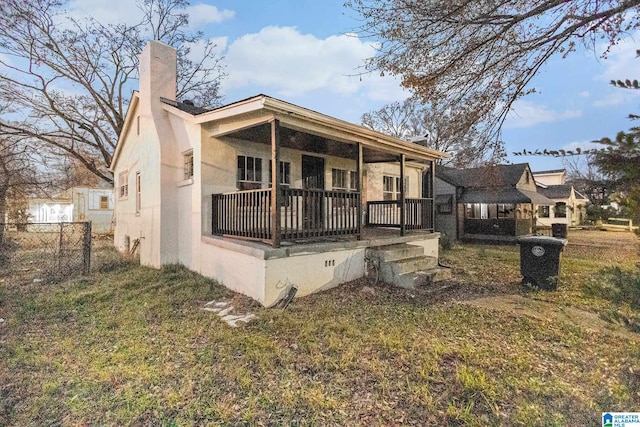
[[444, 203], [543, 211], [104, 202]]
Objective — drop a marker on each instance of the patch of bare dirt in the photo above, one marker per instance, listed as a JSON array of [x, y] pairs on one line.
[[518, 305]]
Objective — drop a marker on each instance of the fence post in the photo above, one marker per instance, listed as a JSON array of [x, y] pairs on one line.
[[60, 243], [86, 247]]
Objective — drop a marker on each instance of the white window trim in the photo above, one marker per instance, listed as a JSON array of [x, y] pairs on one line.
[[138, 189]]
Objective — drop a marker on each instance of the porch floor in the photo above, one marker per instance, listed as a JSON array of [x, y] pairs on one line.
[[490, 239], [371, 236]]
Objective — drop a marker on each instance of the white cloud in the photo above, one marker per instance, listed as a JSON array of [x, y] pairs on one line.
[[582, 145], [385, 89], [127, 11], [618, 97], [197, 49], [283, 60], [203, 14], [621, 61], [584, 94], [106, 11], [526, 114]]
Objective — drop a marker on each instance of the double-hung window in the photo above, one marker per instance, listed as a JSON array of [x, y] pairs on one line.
[[391, 187], [339, 179], [249, 173], [353, 180], [285, 173], [123, 185], [138, 194], [387, 188], [188, 165]]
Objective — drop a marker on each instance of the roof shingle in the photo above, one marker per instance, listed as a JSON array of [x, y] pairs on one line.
[[483, 177]]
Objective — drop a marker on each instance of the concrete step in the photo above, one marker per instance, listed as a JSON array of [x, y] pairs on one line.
[[389, 269], [394, 252], [421, 278]]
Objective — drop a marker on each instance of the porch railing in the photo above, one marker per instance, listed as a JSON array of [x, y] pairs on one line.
[[387, 213], [303, 214], [498, 226]]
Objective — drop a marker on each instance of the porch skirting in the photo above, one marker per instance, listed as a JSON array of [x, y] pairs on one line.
[[265, 273]]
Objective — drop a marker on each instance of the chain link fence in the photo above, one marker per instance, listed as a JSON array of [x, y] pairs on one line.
[[44, 252]]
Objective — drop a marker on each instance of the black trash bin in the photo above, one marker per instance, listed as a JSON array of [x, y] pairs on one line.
[[559, 230], [540, 260]]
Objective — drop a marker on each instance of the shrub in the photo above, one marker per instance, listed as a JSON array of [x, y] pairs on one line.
[[445, 242]]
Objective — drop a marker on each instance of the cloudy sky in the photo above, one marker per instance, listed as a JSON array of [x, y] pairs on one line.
[[305, 52]]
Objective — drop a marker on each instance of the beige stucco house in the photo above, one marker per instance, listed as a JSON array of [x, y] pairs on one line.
[[261, 194], [569, 206]]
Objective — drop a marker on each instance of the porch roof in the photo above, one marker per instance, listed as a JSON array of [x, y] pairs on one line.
[[250, 114], [503, 195]]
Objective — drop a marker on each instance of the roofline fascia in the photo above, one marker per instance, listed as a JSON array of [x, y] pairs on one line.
[[284, 108], [128, 119], [281, 107]]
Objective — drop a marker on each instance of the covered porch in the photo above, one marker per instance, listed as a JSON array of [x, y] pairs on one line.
[[499, 216], [306, 197]]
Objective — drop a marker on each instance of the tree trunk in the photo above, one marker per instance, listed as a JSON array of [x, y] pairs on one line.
[[3, 211]]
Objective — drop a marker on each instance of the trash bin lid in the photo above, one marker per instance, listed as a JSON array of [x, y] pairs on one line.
[[543, 240]]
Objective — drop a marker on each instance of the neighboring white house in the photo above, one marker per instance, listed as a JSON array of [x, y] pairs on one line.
[[76, 204], [194, 186], [569, 205], [48, 210]]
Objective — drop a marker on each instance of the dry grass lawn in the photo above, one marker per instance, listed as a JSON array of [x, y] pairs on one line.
[[131, 346]]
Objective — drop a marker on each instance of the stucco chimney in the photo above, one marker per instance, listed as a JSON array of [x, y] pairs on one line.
[[158, 73]]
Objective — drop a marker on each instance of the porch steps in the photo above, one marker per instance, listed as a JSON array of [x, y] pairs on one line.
[[406, 265]]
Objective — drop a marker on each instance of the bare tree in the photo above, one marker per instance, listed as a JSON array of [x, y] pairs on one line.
[[586, 178], [67, 81], [480, 56], [19, 175], [438, 128]]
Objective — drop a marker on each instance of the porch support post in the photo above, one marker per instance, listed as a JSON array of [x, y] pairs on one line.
[[360, 210], [403, 225], [275, 183], [432, 194]]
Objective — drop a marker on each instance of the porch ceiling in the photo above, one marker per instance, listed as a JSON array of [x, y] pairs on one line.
[[304, 141]]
